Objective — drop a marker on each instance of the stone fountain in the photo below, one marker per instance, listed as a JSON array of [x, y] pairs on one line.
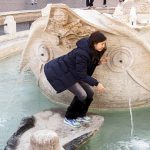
[[128, 47]]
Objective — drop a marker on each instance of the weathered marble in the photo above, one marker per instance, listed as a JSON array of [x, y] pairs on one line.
[[9, 25], [142, 8], [21, 16], [12, 43], [26, 124], [127, 74], [45, 140], [46, 129]]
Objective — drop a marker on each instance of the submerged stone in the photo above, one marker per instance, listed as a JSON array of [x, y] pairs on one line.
[[26, 124], [48, 125]]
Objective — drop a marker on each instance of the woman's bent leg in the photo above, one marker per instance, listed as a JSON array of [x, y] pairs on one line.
[[90, 93], [78, 91], [78, 102]]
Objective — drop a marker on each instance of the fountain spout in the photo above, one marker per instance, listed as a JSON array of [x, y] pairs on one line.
[[133, 16]]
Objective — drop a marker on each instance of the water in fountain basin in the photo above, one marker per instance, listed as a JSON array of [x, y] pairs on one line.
[[119, 132], [27, 100], [19, 97], [134, 144]]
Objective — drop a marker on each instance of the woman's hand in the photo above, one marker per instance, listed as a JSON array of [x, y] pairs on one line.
[[104, 59], [100, 88]]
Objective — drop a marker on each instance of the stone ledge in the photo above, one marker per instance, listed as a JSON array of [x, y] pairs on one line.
[[21, 16], [31, 15], [8, 37], [52, 120], [11, 44]]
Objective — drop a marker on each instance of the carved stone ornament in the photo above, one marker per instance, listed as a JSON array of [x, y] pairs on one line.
[[142, 8], [127, 73]]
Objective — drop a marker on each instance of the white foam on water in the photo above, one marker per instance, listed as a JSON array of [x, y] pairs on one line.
[[2, 121], [139, 144], [133, 144]]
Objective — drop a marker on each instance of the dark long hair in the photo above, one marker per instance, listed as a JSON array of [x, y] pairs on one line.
[[95, 38]]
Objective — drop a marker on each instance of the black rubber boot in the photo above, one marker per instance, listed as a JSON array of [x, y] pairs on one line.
[[85, 107], [74, 109]]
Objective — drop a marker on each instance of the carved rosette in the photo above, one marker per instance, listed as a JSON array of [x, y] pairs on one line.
[[120, 59]]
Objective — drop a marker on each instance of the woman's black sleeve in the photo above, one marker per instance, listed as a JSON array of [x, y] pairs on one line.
[[81, 70]]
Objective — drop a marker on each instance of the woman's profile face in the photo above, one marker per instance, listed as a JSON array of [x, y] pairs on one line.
[[100, 46]]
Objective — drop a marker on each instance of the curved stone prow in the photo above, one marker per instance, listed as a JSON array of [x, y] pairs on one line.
[[57, 32]]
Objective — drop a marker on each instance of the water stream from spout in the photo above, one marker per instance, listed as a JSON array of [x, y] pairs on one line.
[[127, 84], [131, 116], [130, 105], [134, 143]]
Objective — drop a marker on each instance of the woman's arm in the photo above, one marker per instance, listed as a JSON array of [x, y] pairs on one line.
[[81, 70], [104, 60]]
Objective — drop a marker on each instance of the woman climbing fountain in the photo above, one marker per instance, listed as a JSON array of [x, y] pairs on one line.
[[73, 71]]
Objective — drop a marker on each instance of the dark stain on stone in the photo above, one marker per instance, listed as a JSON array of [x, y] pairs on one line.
[[74, 144], [26, 124]]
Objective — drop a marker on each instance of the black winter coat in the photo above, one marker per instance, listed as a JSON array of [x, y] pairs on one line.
[[77, 65]]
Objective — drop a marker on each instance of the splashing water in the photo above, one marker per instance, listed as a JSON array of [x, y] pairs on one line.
[[131, 116], [129, 99], [134, 144]]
